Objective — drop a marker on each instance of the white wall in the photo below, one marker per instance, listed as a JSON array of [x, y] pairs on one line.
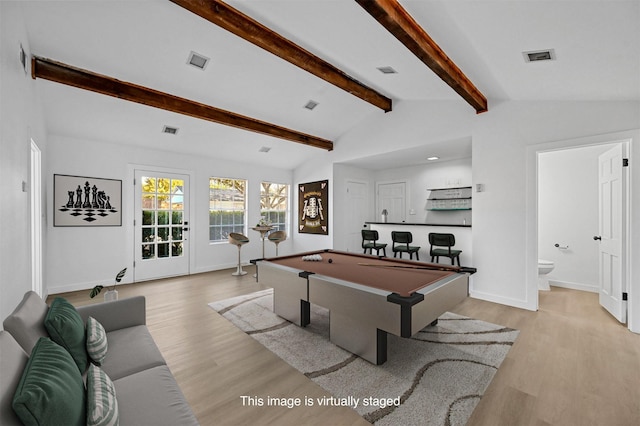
[[342, 174], [20, 120], [445, 174], [410, 124], [568, 215], [505, 214], [79, 258]]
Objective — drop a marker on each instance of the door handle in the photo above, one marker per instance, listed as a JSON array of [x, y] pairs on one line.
[[597, 237]]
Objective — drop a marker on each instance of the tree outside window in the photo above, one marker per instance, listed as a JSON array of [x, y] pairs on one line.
[[227, 207], [274, 204]]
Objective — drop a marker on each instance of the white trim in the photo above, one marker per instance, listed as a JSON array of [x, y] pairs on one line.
[[508, 301], [35, 189], [574, 286]]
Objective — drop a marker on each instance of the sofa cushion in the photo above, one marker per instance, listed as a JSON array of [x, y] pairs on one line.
[[102, 405], [13, 360], [131, 350], [51, 390], [97, 344], [152, 397], [26, 322], [66, 328]]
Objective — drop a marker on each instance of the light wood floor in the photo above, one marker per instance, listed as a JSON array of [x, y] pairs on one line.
[[572, 363]]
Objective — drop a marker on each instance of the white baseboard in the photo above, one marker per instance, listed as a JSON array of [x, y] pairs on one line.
[[516, 303], [88, 286], [76, 287], [574, 286]]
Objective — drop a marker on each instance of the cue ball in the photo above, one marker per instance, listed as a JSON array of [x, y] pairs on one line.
[[330, 260]]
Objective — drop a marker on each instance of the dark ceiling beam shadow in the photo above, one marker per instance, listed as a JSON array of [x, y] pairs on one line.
[[87, 80], [225, 16], [391, 15]]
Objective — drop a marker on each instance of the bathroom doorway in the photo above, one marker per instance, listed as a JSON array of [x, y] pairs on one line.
[[569, 222]]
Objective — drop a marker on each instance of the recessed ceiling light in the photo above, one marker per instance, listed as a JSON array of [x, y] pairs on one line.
[[197, 60], [170, 130], [264, 149], [311, 105], [387, 70], [539, 55], [433, 158]]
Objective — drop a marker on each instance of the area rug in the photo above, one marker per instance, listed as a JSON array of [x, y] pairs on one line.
[[437, 377]]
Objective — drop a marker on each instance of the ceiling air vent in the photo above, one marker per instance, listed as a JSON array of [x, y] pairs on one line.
[[387, 70], [197, 60], [539, 55], [170, 130], [311, 105]]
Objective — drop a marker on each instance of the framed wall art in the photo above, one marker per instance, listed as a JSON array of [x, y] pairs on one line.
[[86, 201], [313, 208]]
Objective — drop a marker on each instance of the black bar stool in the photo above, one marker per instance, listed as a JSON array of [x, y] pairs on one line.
[[403, 239], [370, 242], [443, 240]]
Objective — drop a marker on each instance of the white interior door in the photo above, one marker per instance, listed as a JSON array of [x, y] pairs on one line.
[[161, 225], [611, 233], [392, 197], [356, 213]]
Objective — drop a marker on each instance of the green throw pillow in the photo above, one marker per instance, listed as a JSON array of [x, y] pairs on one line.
[[51, 390], [96, 341], [102, 405], [66, 328]]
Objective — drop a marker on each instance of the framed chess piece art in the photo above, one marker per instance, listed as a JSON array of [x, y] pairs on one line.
[[86, 201]]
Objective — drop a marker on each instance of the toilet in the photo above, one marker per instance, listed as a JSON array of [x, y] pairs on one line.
[[544, 267]]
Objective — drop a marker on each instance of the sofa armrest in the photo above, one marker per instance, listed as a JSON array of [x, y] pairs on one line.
[[117, 314]]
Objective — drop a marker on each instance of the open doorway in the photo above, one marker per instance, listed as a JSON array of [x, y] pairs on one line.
[[575, 208]]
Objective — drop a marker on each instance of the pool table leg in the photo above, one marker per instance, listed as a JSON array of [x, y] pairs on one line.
[[305, 313], [363, 340]]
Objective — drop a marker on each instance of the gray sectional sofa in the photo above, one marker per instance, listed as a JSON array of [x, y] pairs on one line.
[[146, 391]]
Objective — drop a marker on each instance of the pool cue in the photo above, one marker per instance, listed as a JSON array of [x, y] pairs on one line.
[[433, 268]]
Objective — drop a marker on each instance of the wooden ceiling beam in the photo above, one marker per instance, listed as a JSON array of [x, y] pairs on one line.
[[234, 21], [87, 80], [391, 15]]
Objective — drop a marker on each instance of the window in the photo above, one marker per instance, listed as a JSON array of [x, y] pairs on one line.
[[227, 207], [274, 204]]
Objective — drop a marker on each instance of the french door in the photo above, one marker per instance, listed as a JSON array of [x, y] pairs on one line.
[[161, 225]]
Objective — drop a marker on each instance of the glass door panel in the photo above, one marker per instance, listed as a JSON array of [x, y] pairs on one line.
[[160, 226]]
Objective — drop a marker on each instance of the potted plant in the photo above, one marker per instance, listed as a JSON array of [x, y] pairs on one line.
[[111, 293]]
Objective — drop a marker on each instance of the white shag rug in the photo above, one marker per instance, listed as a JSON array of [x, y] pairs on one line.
[[437, 377]]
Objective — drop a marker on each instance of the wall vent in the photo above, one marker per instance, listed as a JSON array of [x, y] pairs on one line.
[[197, 60], [539, 55]]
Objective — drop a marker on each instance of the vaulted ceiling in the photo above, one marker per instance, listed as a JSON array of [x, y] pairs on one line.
[[147, 43]]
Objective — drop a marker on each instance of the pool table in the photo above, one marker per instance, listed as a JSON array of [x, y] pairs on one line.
[[367, 296]]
